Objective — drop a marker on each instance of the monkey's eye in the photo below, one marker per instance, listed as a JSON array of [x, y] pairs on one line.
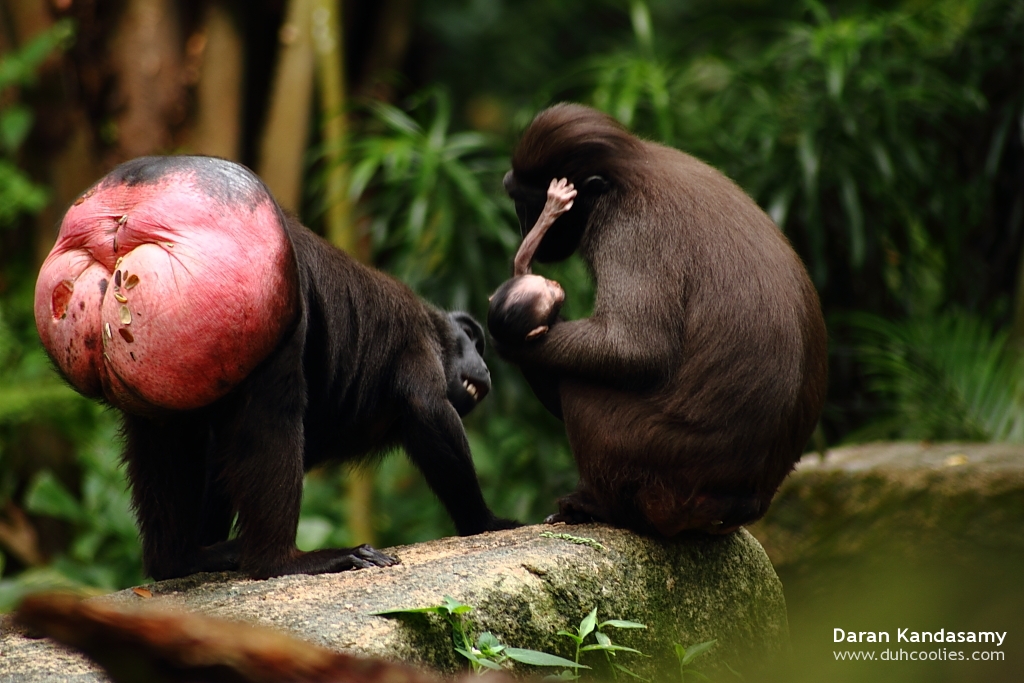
[[477, 340]]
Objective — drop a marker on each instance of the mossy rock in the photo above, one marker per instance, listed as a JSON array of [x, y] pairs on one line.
[[908, 497], [524, 585]]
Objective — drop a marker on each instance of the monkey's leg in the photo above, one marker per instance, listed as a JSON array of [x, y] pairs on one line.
[[166, 470], [579, 507], [436, 443], [262, 455]]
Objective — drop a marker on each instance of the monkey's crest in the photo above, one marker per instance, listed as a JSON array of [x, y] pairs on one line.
[[575, 142]]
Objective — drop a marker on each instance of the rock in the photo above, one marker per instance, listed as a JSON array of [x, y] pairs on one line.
[[890, 536], [524, 587], [914, 497]]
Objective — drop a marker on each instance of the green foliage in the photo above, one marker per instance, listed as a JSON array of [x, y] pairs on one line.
[[18, 194], [104, 553], [626, 80], [28, 386], [431, 221], [486, 652], [590, 626], [945, 377], [686, 655], [837, 118]]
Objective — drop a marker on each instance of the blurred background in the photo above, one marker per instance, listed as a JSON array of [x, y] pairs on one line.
[[886, 139]]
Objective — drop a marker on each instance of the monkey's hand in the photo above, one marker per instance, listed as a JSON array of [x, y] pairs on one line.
[[560, 195]]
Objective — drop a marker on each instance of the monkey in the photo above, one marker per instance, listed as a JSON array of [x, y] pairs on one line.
[[690, 392], [530, 304], [241, 350]]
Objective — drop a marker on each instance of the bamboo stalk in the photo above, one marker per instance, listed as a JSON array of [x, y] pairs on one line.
[[219, 90], [330, 61], [287, 128]]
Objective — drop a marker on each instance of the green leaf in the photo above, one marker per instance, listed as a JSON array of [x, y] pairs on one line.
[[395, 118], [568, 634], [630, 673], [476, 659], [603, 639], [609, 648], [439, 609], [588, 623], [621, 623], [47, 496], [535, 658], [454, 606], [694, 651], [488, 642]]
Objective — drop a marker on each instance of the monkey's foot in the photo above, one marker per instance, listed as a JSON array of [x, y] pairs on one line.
[[574, 517], [491, 524], [500, 523], [576, 508], [219, 557], [326, 561]]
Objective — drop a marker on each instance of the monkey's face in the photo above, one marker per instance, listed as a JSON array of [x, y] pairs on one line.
[[469, 379], [563, 238]]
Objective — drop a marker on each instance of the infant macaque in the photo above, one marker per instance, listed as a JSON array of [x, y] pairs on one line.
[[529, 307], [526, 306]]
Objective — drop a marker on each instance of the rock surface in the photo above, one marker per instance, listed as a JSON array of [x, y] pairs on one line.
[[524, 588], [913, 495]]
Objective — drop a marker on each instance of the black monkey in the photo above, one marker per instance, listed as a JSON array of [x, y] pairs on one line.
[[691, 391], [243, 349]]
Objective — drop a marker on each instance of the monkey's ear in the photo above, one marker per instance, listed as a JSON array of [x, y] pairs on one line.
[[537, 331], [595, 184]]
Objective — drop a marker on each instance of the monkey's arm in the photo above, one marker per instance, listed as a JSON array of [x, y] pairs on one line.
[[435, 441], [560, 197], [601, 349]]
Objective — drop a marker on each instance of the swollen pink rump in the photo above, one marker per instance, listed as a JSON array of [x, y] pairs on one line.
[[171, 279]]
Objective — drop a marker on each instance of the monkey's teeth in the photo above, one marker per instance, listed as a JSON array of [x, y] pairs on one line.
[[470, 389]]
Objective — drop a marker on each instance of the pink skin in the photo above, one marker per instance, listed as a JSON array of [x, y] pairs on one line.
[[207, 289], [560, 196], [548, 293]]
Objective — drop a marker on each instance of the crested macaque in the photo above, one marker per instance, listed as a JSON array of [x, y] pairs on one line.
[[242, 349], [692, 389], [527, 305]]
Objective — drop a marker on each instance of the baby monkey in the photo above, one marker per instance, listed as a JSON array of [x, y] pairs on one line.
[[526, 306]]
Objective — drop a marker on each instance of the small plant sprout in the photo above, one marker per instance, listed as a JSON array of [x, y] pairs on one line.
[[688, 654], [487, 652], [604, 644]]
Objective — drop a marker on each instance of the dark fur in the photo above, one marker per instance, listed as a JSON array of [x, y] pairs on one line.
[[691, 391], [367, 367]]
